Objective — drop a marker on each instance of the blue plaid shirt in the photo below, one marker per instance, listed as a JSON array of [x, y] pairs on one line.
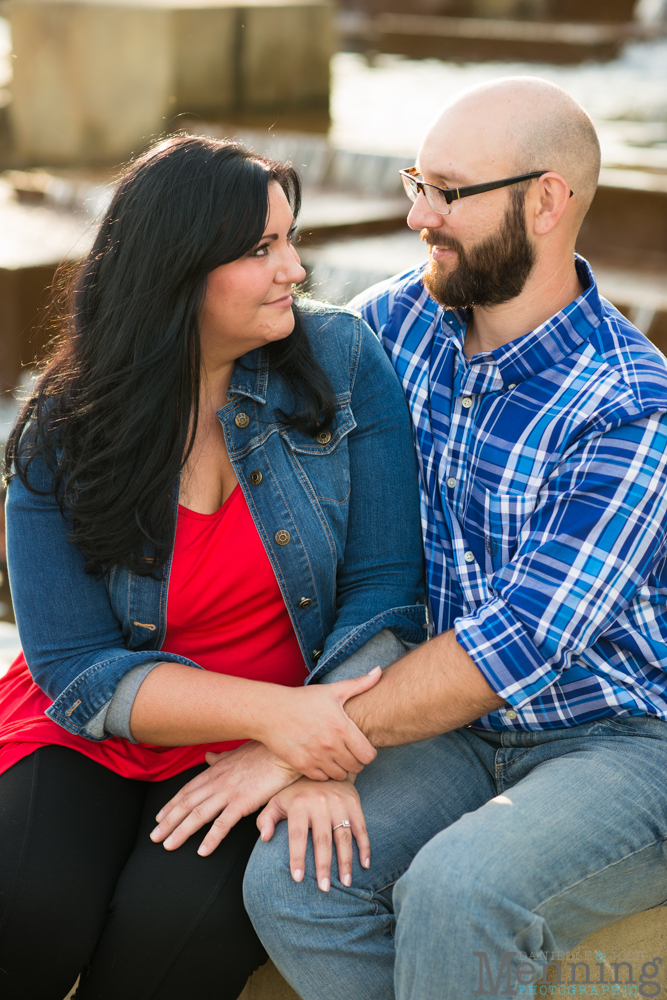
[[544, 501]]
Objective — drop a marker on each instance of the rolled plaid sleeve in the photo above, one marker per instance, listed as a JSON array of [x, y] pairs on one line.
[[591, 543]]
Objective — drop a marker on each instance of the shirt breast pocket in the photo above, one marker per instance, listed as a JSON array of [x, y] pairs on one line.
[[322, 461], [494, 522]]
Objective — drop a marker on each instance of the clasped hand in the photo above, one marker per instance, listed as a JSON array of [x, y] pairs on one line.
[[309, 734]]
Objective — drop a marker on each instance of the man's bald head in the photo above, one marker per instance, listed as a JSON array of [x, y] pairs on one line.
[[514, 126]]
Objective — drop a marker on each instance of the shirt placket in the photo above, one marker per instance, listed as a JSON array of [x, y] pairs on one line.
[[453, 473]]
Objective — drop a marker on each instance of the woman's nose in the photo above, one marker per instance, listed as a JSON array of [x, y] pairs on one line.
[[291, 272]]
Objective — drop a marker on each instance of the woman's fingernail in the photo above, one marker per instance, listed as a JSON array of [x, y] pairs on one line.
[[169, 842], [325, 884], [262, 832], [297, 874], [159, 816], [155, 834], [202, 850], [373, 670], [366, 862], [347, 880]]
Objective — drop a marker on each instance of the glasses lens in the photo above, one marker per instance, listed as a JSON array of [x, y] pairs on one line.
[[411, 187], [437, 200]]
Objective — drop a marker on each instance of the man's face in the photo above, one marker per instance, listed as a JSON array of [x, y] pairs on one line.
[[489, 271], [481, 254]]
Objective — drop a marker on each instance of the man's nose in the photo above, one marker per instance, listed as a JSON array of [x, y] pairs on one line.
[[422, 216]]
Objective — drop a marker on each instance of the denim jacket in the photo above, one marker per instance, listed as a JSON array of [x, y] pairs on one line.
[[338, 515]]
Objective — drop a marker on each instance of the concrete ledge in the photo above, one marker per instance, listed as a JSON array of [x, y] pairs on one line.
[[268, 984]]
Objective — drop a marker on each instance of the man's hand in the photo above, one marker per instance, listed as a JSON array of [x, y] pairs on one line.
[[319, 806], [236, 784]]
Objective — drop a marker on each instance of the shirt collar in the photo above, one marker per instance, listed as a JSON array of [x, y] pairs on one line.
[[251, 376], [536, 351]]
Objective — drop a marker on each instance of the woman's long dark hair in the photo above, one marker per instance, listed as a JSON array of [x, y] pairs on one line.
[[111, 413]]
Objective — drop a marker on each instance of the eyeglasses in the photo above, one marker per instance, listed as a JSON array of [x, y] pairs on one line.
[[440, 199]]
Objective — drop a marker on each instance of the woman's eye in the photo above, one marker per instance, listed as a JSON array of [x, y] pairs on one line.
[[291, 234], [260, 251]]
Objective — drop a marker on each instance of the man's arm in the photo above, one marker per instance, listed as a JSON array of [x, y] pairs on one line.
[[431, 690]]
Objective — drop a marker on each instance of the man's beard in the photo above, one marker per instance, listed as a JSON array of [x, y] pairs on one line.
[[492, 272]]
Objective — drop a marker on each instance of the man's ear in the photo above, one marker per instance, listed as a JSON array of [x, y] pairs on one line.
[[550, 202]]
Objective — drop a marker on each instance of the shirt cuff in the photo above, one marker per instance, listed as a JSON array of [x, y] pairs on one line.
[[504, 652], [118, 711]]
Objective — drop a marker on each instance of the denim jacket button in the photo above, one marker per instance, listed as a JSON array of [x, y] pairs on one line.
[[323, 437], [282, 537], [255, 477], [316, 654], [305, 602], [241, 419]]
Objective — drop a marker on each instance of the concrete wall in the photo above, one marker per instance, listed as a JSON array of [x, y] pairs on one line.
[[91, 82], [95, 80], [205, 65]]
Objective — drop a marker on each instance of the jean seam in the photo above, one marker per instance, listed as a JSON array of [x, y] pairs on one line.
[[509, 763], [595, 874]]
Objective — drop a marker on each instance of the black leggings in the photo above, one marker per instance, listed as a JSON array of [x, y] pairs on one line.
[[83, 889]]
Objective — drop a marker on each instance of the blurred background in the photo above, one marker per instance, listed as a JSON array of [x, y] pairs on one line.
[[343, 91]]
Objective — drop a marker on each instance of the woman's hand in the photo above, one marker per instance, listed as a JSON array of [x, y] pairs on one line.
[[319, 806], [309, 729], [236, 784]]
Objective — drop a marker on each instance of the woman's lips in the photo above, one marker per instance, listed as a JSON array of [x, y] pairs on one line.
[[442, 253], [281, 303]]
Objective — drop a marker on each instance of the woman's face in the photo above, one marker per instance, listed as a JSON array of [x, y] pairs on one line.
[[248, 302]]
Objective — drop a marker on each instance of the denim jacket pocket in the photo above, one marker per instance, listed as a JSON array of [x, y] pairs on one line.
[[494, 522], [322, 461]]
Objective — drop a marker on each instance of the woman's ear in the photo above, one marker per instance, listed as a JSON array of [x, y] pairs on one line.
[[551, 201]]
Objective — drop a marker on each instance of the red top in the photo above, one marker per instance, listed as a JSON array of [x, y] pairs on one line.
[[225, 611]]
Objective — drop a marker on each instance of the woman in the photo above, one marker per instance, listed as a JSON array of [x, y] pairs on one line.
[[211, 500]]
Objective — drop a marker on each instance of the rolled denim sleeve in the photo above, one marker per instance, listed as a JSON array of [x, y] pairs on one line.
[[590, 545]]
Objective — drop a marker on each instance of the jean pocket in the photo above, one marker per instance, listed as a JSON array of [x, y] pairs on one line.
[[322, 461]]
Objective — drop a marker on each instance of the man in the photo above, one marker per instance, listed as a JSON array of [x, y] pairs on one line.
[[530, 806]]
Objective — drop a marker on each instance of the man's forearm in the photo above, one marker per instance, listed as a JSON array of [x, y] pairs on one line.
[[431, 690]]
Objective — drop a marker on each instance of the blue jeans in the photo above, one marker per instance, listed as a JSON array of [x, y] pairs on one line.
[[480, 842]]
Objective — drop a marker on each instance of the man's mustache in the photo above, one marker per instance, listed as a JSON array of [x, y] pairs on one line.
[[433, 240]]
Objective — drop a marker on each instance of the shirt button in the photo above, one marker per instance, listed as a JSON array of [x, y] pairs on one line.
[[469, 557], [241, 419], [510, 714], [451, 482], [305, 602], [467, 402], [323, 437], [512, 386], [255, 477], [282, 537]]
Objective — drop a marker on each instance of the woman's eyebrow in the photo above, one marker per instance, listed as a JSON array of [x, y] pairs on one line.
[[275, 236]]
